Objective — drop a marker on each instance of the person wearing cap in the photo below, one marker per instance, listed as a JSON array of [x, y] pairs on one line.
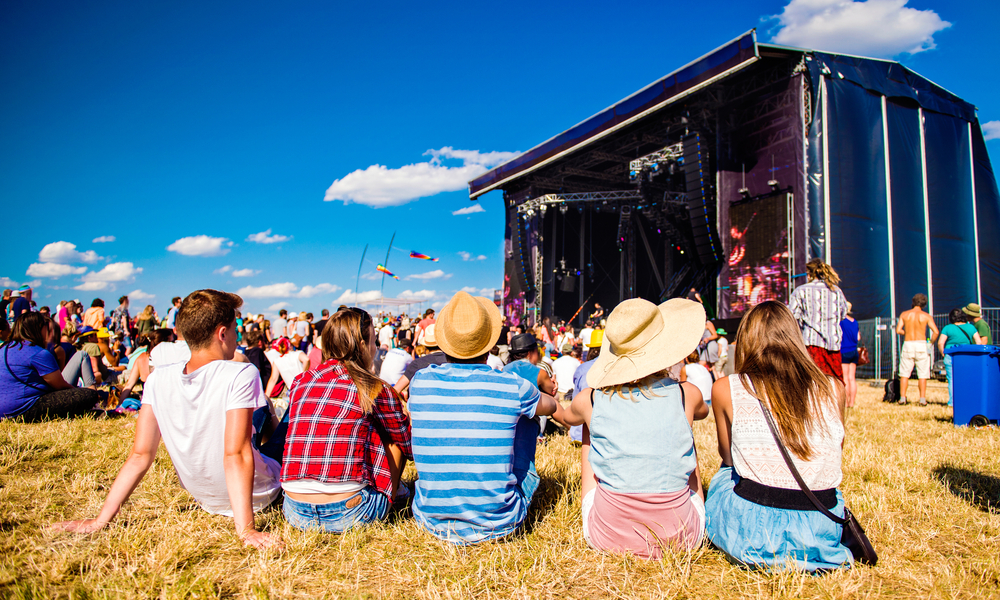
[[434, 356], [640, 483], [525, 356], [473, 432], [81, 367], [757, 513], [975, 314], [720, 365], [20, 304]]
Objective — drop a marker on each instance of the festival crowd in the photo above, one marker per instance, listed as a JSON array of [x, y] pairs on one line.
[[322, 415]]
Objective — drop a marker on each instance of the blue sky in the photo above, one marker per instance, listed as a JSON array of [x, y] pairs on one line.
[[202, 127]]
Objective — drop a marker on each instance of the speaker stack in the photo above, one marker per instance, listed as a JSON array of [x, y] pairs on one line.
[[700, 204], [522, 256]]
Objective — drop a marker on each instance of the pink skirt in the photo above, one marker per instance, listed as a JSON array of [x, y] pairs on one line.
[[643, 524]]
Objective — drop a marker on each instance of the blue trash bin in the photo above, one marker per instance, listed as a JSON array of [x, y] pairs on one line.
[[976, 373]]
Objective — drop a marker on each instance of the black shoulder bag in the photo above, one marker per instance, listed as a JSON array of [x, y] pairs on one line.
[[853, 537]]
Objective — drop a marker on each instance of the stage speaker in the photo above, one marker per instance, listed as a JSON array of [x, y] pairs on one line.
[[522, 255], [700, 200], [568, 283]]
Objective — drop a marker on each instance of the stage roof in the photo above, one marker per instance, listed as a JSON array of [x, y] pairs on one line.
[[884, 77]]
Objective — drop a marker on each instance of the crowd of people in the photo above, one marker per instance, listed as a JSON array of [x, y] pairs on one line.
[[323, 415]]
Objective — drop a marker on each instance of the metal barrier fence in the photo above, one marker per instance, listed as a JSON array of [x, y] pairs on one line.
[[879, 336]]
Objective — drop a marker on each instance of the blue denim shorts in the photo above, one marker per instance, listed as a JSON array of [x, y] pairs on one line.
[[335, 517]]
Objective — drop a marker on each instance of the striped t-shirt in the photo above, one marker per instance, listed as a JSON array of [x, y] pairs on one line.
[[463, 419]]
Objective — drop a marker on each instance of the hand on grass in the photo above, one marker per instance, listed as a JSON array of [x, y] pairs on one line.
[[260, 540], [81, 526]]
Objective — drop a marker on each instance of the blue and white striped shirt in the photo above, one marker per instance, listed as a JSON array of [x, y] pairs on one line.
[[463, 419]]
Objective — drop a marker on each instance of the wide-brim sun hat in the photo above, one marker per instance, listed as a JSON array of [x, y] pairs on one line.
[[596, 338], [430, 339], [642, 338], [973, 310], [468, 326], [103, 332]]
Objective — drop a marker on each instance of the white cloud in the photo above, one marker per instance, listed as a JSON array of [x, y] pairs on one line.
[[379, 186], [274, 308], [222, 270], [47, 269], [879, 28], [286, 290], [422, 295], [991, 130], [104, 239], [244, 273], [373, 276], [7, 282], [487, 292], [201, 245], [467, 256], [66, 253], [469, 289], [140, 295], [435, 274], [120, 271], [92, 286], [348, 297], [438, 304], [265, 237], [468, 210]]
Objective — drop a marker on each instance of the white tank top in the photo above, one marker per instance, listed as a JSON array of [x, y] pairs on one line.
[[289, 366], [756, 456]]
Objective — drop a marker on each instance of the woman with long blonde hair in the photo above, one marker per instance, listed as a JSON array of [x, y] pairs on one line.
[[819, 306], [757, 513], [348, 437]]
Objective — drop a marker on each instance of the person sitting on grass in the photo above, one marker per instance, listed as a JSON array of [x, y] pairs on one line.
[[640, 483], [202, 408], [31, 384], [473, 431], [348, 437], [757, 514]]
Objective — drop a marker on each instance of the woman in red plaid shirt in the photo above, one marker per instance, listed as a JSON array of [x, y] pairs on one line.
[[348, 437]]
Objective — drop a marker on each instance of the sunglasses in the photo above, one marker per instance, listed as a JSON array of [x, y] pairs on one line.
[[366, 319]]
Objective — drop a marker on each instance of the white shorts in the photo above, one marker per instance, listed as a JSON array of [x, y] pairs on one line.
[[915, 353], [588, 506]]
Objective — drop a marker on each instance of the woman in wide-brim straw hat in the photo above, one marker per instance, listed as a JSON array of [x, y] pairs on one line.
[[640, 483]]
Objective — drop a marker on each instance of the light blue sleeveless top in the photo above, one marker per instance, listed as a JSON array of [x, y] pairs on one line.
[[645, 446]]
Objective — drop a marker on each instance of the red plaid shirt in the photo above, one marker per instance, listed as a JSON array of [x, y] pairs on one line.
[[331, 440]]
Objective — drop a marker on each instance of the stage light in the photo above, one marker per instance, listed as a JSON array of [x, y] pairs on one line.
[[563, 209], [774, 184], [745, 192], [543, 208]]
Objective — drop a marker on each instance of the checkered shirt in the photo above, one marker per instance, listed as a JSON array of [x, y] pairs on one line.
[[331, 440]]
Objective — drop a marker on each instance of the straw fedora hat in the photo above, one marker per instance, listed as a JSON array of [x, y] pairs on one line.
[[468, 326], [642, 338]]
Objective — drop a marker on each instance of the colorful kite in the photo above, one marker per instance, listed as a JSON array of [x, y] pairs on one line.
[[422, 256], [382, 269]]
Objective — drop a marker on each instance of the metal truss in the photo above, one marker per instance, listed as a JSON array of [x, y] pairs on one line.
[[654, 160], [540, 204]]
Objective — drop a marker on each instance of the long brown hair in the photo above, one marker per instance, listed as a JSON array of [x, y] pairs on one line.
[[817, 269], [773, 365], [347, 338]]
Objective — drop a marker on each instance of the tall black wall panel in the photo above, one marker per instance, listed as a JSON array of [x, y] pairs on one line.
[[988, 215], [949, 191], [858, 215], [908, 228]]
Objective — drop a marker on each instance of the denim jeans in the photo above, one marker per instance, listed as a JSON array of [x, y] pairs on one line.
[[335, 517], [951, 379], [79, 367], [275, 445], [525, 441]]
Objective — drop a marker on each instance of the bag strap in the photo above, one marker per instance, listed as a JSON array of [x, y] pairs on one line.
[[795, 473]]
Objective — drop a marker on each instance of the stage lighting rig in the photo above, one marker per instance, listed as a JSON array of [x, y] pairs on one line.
[[652, 163]]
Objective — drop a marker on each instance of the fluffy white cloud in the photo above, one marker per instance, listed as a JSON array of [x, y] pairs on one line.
[[265, 237], [274, 308], [104, 239], [286, 290], [487, 292], [46, 269], [991, 130], [435, 274], [422, 295], [201, 245], [66, 253], [244, 273], [373, 276], [349, 297], [222, 270], [140, 295], [467, 256], [468, 210], [7, 282], [92, 286], [880, 28], [120, 271], [379, 186]]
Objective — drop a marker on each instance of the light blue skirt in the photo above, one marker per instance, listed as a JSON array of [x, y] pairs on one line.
[[761, 536]]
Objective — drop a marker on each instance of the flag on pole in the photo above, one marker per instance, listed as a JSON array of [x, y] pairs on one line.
[[422, 256], [382, 269]]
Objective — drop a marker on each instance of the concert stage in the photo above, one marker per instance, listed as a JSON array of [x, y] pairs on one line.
[[730, 173]]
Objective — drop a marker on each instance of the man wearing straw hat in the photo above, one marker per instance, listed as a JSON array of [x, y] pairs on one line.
[[473, 433], [975, 314]]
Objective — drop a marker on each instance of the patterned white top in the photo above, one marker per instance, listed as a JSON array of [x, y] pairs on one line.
[[819, 311], [756, 456]]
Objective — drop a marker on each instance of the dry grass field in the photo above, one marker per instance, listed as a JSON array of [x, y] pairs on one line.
[[927, 493]]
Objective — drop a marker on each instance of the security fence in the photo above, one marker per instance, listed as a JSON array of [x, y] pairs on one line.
[[879, 336]]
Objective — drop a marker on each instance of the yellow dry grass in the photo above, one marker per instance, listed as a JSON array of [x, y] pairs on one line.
[[926, 492]]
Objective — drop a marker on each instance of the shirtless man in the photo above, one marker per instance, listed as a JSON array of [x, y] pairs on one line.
[[913, 326]]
